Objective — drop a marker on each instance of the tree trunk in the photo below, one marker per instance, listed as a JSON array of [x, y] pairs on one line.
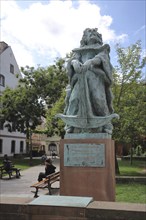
[[27, 141], [131, 155], [117, 171]]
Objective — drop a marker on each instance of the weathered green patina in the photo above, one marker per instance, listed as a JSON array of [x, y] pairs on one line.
[[89, 96]]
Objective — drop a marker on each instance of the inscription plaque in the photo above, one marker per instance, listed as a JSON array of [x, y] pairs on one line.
[[84, 155]]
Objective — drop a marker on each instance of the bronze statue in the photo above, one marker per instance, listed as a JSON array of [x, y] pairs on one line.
[[89, 96]]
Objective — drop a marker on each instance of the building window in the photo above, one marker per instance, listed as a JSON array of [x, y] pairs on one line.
[[1, 146], [12, 146], [11, 68], [2, 80], [52, 147], [21, 146]]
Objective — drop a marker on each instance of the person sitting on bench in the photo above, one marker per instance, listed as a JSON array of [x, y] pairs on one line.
[[8, 166], [49, 169]]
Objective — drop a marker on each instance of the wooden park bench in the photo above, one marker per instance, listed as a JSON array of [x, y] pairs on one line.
[[10, 172], [46, 183]]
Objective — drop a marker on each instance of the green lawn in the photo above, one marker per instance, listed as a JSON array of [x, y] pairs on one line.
[[132, 192], [136, 169], [23, 163]]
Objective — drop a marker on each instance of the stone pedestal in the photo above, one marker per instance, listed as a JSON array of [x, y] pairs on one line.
[[87, 165]]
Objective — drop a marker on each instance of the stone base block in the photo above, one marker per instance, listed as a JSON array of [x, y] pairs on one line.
[[88, 168]]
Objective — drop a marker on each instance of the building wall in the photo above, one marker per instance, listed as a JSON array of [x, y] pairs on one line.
[[41, 143], [52, 144], [7, 58], [7, 145]]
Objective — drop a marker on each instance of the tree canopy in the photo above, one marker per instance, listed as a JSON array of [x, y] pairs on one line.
[[129, 89], [38, 90]]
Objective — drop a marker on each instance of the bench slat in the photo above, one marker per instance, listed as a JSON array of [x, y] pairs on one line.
[[42, 183], [47, 182]]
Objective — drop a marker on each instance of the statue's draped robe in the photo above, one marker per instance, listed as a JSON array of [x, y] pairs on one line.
[[90, 93]]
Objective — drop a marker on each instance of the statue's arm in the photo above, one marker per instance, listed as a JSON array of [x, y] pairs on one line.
[[104, 64], [91, 63], [76, 65], [70, 70], [108, 70]]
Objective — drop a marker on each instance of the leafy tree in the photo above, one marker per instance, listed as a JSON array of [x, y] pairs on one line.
[[46, 83], [129, 95], [19, 106], [38, 90], [55, 126]]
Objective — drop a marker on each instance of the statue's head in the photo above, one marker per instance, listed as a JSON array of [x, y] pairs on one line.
[[90, 37]]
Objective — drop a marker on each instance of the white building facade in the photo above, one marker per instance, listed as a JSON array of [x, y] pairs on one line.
[[11, 143]]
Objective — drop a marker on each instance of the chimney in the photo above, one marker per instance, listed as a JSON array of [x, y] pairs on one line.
[[3, 46]]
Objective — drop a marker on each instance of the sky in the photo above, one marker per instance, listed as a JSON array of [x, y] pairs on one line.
[[40, 31]]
